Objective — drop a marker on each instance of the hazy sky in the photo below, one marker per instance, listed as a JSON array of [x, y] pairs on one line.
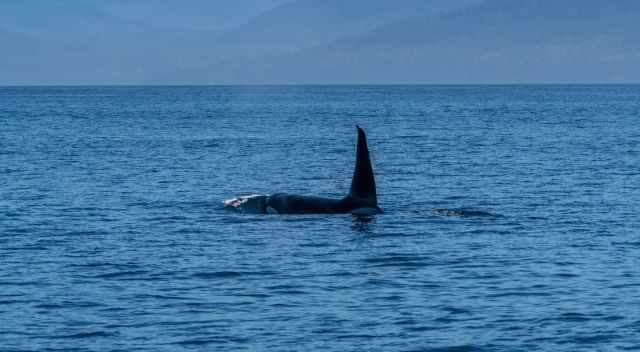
[[63, 42]]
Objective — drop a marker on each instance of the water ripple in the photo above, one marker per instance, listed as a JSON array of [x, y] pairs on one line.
[[509, 219]]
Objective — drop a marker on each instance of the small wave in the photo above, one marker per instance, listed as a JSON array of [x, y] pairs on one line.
[[573, 317], [199, 144], [94, 265], [519, 294], [397, 261], [465, 213], [231, 274], [209, 341], [593, 339], [20, 283], [84, 335], [461, 348], [217, 274], [68, 304], [119, 274], [14, 301], [198, 342]]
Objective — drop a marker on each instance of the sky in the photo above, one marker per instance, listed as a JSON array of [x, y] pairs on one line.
[[158, 42]]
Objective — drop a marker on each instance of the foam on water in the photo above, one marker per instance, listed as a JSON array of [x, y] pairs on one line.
[[253, 204]]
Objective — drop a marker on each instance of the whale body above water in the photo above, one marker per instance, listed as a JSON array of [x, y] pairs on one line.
[[362, 198]]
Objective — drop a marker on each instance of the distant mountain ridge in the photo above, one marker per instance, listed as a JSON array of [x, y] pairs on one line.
[[201, 15], [497, 41], [302, 24], [319, 41]]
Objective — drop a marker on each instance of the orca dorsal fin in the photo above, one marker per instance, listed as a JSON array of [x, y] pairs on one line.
[[363, 184]]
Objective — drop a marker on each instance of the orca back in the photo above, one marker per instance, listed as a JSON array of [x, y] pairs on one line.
[[363, 184], [362, 199]]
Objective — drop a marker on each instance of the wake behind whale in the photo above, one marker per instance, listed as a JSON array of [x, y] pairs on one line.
[[362, 198]]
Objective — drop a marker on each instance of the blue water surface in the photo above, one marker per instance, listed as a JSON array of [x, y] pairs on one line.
[[511, 219]]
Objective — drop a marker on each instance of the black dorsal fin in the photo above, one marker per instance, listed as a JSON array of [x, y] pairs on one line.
[[363, 184]]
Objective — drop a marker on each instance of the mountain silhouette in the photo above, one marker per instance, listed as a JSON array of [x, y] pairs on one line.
[[497, 41], [319, 41]]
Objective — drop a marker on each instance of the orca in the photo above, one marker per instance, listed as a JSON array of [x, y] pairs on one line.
[[362, 198]]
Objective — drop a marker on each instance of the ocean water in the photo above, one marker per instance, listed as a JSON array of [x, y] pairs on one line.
[[511, 219]]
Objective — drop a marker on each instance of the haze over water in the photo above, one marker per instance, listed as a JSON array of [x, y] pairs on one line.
[[113, 236], [204, 42]]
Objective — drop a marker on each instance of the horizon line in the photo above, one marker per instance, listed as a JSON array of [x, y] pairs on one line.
[[310, 85]]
